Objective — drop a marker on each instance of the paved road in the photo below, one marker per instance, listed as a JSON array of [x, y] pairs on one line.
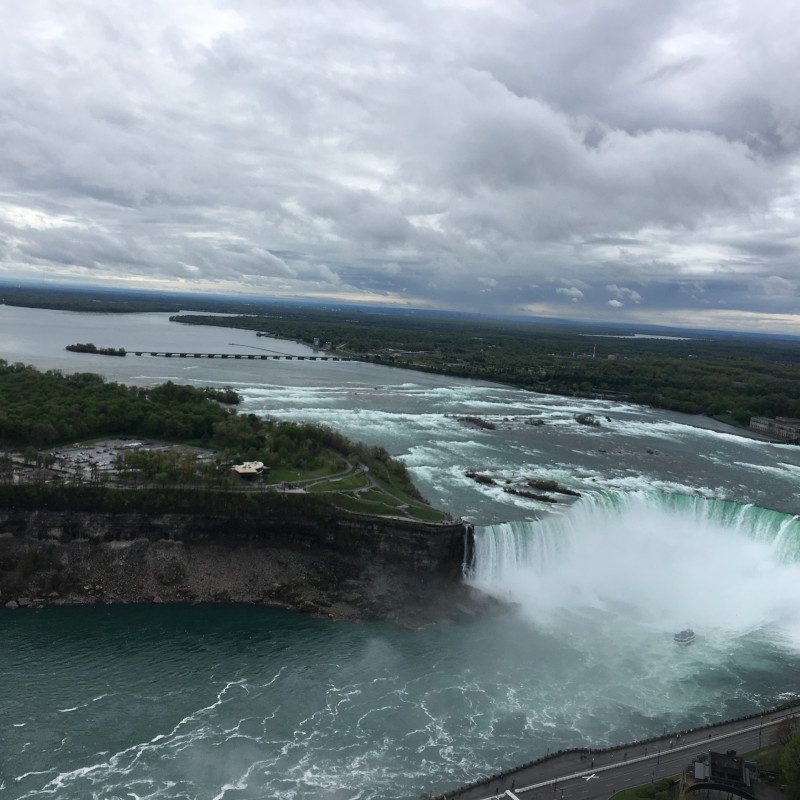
[[567, 776]]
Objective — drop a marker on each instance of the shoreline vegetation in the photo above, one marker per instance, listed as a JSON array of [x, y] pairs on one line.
[[730, 377], [101, 351], [171, 438]]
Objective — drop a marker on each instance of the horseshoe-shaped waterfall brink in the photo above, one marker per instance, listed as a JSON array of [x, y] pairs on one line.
[[648, 564]]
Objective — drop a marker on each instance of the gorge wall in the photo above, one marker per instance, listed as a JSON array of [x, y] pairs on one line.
[[332, 566]]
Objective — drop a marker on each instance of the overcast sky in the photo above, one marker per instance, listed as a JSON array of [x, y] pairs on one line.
[[603, 160]]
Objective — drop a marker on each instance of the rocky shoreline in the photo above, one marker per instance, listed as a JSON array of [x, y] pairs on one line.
[[341, 568]]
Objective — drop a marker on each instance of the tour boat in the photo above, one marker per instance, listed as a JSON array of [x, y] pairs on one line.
[[684, 637]]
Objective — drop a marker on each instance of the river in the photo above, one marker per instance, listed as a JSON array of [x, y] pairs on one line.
[[239, 703]]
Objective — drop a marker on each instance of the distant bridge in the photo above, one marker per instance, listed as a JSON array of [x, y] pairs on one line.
[[238, 356]]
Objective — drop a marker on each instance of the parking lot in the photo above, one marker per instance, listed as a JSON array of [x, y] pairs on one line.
[[91, 460]]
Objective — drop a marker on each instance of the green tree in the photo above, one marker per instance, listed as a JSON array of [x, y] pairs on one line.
[[790, 766], [787, 728]]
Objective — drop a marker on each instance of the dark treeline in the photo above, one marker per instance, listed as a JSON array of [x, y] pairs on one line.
[[46, 408], [731, 377], [166, 500], [69, 299], [118, 301], [90, 347]]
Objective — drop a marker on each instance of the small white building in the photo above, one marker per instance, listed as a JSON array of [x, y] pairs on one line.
[[248, 469]]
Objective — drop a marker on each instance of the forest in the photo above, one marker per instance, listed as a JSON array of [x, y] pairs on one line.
[[730, 377], [46, 408], [39, 410]]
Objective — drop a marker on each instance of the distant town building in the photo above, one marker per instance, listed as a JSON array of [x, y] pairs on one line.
[[786, 428]]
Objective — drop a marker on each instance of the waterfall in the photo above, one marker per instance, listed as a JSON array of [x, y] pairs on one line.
[[650, 560]]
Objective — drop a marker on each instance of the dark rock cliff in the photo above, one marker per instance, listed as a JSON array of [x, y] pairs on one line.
[[334, 566]]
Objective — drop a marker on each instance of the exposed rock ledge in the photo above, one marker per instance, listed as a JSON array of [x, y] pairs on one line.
[[341, 568]]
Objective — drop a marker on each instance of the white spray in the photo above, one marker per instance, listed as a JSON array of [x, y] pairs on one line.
[[619, 564]]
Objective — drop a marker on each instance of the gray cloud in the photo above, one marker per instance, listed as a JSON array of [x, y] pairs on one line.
[[405, 151], [572, 292], [622, 293]]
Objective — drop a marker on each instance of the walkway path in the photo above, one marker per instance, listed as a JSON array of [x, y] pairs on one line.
[[583, 775]]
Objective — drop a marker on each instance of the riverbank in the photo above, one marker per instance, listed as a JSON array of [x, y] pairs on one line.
[[329, 566]]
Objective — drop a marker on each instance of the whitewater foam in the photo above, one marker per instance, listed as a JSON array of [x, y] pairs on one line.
[[650, 563]]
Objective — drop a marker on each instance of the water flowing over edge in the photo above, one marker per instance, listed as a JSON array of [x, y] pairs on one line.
[[651, 560]]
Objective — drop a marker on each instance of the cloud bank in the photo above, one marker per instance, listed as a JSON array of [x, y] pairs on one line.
[[613, 160]]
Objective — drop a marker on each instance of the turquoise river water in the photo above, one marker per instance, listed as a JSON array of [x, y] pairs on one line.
[[680, 523]]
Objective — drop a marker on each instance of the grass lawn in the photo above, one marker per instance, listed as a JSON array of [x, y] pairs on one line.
[[351, 503], [377, 496], [390, 484], [425, 513], [377, 509], [346, 484], [646, 791], [293, 475]]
